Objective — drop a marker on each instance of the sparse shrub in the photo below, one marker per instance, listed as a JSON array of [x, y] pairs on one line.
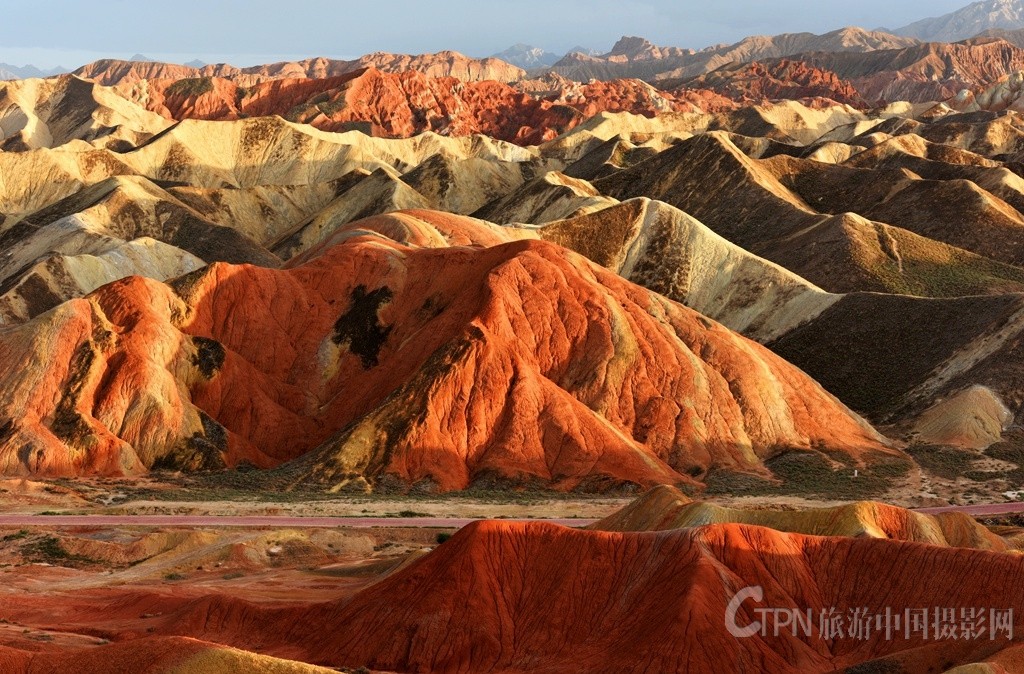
[[190, 87], [17, 535], [50, 550]]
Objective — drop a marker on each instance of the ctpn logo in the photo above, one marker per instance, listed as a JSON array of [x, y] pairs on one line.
[[963, 623]]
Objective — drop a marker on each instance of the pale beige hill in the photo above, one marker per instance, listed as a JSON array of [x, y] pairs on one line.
[[951, 209], [835, 153], [608, 157], [661, 248], [910, 144], [553, 196], [974, 418], [130, 207], [1003, 95], [464, 185], [985, 133], [710, 178], [33, 180], [934, 161], [757, 147], [37, 113], [272, 151], [665, 507], [582, 139], [780, 209], [848, 133], [787, 121], [848, 253], [248, 153], [378, 193], [59, 277], [264, 212]]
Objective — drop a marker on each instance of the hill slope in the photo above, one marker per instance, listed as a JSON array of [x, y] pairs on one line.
[[150, 375]]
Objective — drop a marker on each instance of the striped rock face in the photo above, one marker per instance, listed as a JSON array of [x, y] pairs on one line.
[[418, 347], [513, 597]]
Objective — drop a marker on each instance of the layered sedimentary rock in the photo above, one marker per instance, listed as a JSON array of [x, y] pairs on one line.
[[145, 374], [563, 596], [922, 72], [405, 103], [636, 57], [665, 507], [48, 113], [442, 64], [756, 82]]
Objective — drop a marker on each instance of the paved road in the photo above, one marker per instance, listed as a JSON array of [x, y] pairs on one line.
[[22, 520], [250, 521]]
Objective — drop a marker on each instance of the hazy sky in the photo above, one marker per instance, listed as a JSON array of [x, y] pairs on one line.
[[71, 32]]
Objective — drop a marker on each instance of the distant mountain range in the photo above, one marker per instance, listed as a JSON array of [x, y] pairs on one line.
[[968, 22], [636, 57], [528, 57], [10, 72]]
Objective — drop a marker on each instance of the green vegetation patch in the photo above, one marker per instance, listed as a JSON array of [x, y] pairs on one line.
[[945, 462], [191, 87], [803, 473], [48, 549]]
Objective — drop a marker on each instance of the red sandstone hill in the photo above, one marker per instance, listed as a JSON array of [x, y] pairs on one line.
[[923, 72], [515, 597], [756, 82], [537, 597], [377, 357], [112, 72], [404, 104]]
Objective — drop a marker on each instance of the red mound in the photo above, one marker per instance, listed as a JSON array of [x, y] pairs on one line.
[[541, 598], [516, 597], [755, 83], [408, 103], [446, 365], [922, 72], [503, 597], [112, 72]]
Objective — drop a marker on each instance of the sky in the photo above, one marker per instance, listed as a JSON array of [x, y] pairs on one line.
[[72, 32]]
